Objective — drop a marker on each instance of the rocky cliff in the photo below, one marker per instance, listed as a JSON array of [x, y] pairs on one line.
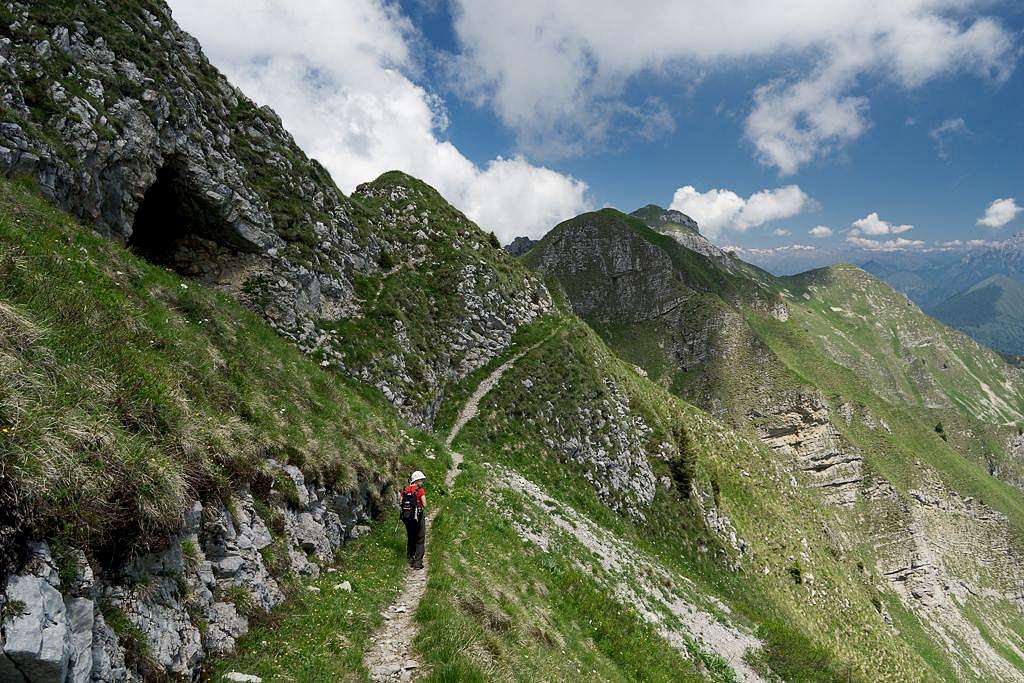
[[165, 612]]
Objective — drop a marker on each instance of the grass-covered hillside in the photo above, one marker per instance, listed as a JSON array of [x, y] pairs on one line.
[[129, 392], [601, 527], [731, 561], [885, 414], [991, 311], [862, 324]]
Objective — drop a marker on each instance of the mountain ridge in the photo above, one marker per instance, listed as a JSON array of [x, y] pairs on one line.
[[815, 374], [691, 470], [991, 311], [939, 282]]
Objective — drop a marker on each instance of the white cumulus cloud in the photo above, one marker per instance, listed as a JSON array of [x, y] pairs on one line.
[[558, 71], [821, 231], [999, 213], [873, 225], [717, 210], [897, 244], [781, 232], [342, 77]]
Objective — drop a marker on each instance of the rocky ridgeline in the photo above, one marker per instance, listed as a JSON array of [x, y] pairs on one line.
[[165, 612], [119, 118], [520, 246], [684, 231], [462, 298], [610, 273]]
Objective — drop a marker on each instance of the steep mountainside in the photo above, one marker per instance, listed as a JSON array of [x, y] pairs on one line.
[[887, 414], [169, 462], [724, 476], [991, 311]]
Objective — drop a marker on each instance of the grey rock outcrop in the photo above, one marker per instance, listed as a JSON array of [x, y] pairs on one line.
[[520, 246], [36, 636], [617, 276], [946, 555], [178, 605], [685, 232], [609, 273], [799, 428]]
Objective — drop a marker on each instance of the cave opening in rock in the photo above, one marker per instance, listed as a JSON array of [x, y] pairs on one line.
[[177, 227]]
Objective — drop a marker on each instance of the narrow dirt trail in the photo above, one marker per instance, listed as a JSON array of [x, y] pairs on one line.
[[391, 656]]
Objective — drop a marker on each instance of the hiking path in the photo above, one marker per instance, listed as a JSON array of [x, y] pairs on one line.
[[391, 656]]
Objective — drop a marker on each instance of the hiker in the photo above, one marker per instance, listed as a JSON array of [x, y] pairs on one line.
[[413, 501]]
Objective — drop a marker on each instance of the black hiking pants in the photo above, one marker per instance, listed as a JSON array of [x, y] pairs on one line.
[[416, 539]]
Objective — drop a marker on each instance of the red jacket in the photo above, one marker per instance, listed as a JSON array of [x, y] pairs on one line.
[[421, 493]]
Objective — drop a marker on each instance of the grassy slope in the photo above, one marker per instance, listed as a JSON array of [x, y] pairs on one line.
[[811, 633], [857, 340], [187, 393], [868, 344], [991, 311], [130, 391], [908, 356]]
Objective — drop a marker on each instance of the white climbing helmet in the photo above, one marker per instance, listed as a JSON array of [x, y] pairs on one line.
[[416, 476]]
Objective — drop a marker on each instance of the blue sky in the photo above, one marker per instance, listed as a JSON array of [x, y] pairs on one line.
[[801, 114]]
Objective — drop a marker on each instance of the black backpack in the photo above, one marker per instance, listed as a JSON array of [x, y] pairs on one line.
[[410, 505]]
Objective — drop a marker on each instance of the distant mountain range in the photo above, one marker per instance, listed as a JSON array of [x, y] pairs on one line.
[[980, 292], [991, 311]]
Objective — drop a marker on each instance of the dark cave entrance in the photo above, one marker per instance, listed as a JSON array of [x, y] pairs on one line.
[[176, 227]]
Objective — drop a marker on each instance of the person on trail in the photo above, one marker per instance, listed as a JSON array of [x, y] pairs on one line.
[[413, 502]]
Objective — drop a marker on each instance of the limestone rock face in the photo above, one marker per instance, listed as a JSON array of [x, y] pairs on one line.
[[36, 636], [212, 573], [606, 439], [520, 246], [608, 274], [618, 275], [800, 429], [941, 552]]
